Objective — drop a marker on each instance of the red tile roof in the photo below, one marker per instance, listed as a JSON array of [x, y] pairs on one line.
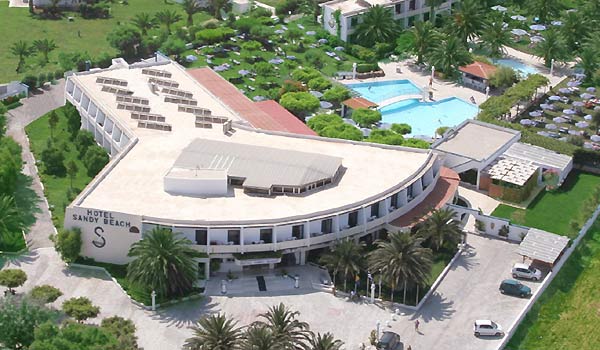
[[286, 119], [266, 117], [442, 193], [479, 69], [359, 102]]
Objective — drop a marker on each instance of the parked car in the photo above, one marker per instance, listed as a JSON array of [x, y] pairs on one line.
[[516, 288], [526, 271], [487, 327], [389, 341]]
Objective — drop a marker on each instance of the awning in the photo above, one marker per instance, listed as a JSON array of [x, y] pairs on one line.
[[542, 245]]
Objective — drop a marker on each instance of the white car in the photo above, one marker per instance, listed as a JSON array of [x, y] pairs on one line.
[[526, 271], [487, 327]]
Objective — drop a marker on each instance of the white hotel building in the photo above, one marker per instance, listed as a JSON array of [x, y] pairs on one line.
[[190, 152]]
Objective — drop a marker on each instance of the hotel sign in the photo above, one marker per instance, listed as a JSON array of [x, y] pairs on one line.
[[100, 217]]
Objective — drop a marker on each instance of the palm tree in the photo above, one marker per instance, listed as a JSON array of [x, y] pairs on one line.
[[432, 5], [402, 258], [144, 22], [468, 20], [163, 262], [190, 7], [573, 29], [10, 218], [259, 337], [553, 47], [168, 17], [20, 49], [216, 6], [425, 36], [44, 47], [589, 61], [344, 258], [214, 332], [495, 37], [378, 26], [324, 342], [441, 227], [544, 9], [449, 55], [289, 332]]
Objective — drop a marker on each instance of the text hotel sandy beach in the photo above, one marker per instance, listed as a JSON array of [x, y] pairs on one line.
[[191, 153]]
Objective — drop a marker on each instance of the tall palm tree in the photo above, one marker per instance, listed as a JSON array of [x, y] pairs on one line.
[[20, 49], [215, 332], [168, 17], [432, 5], [468, 20], [289, 332], [425, 37], [449, 55], [378, 26], [216, 6], [344, 258], [163, 262], [495, 37], [190, 7], [544, 9], [10, 218], [401, 259], [441, 227], [324, 342], [553, 47], [44, 46], [589, 61], [259, 337], [144, 22], [573, 29]]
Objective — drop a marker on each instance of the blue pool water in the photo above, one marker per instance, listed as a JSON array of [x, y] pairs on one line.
[[426, 117], [519, 66], [382, 90]]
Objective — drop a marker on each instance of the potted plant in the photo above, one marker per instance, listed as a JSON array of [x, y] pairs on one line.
[[284, 273], [230, 276], [479, 226], [503, 231]]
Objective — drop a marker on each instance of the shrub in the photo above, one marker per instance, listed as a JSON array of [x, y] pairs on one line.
[[173, 46], [80, 308], [212, 36], [503, 78], [53, 159], [68, 244], [305, 74], [319, 84], [479, 225], [95, 159], [315, 57], [366, 117], [83, 141], [363, 54], [332, 125], [97, 9], [299, 103], [30, 81], [503, 231], [263, 69], [251, 45], [45, 293], [41, 79], [401, 128], [212, 23], [245, 24], [367, 67], [125, 39], [336, 94], [291, 86], [12, 278]]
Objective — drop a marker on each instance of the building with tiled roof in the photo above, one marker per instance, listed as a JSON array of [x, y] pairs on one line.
[[477, 75]]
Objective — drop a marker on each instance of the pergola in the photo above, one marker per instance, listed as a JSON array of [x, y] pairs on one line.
[[543, 246]]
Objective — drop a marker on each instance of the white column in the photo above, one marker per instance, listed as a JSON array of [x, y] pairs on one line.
[[242, 239], [307, 232], [336, 225], [274, 238]]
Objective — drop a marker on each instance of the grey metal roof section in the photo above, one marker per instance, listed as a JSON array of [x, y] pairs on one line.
[[538, 155], [262, 167], [542, 245]]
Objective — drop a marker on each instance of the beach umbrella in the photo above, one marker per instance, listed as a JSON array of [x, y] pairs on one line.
[[564, 91], [311, 32], [551, 127], [536, 39], [546, 106], [574, 132], [582, 124], [499, 8], [220, 68], [526, 122], [300, 26], [276, 61], [323, 41], [537, 27], [591, 89], [290, 57], [573, 83], [588, 145], [559, 120], [569, 111], [284, 27], [243, 72], [556, 23], [191, 58], [543, 133], [326, 105], [518, 18], [519, 32], [586, 96], [554, 98], [258, 98], [578, 104], [535, 114], [316, 94], [595, 138], [588, 117], [279, 31], [338, 48]]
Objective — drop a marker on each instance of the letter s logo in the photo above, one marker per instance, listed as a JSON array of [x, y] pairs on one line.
[[99, 244]]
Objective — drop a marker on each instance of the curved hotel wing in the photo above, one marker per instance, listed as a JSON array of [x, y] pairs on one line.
[[191, 153]]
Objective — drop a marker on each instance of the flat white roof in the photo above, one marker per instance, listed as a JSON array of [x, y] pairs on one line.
[[476, 140], [539, 155], [135, 184], [349, 7]]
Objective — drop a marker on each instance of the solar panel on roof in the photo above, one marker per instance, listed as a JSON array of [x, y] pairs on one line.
[[156, 72], [111, 81], [116, 90]]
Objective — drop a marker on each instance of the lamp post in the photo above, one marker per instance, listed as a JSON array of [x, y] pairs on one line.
[[487, 92], [153, 295], [432, 72], [378, 326], [372, 293], [380, 283], [552, 67]]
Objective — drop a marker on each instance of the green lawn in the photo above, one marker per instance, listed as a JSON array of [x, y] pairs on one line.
[[566, 315], [553, 211], [56, 188], [17, 25]]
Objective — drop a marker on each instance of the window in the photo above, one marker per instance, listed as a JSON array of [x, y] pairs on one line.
[[201, 236], [353, 21], [233, 236], [327, 226], [266, 235], [412, 5], [353, 218], [298, 231], [236, 181], [375, 210], [409, 193], [398, 8], [394, 200]]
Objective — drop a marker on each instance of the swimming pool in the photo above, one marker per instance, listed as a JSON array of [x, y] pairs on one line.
[[519, 66], [383, 90], [426, 117]]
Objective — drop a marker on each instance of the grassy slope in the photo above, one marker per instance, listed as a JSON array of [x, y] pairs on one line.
[[566, 316], [56, 187], [552, 211], [18, 25]]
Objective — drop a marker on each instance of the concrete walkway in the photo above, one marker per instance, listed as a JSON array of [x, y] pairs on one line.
[[18, 118]]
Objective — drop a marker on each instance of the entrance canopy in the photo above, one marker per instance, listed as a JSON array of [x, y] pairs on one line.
[[543, 246]]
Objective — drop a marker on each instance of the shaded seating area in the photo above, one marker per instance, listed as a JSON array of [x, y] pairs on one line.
[[542, 247]]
